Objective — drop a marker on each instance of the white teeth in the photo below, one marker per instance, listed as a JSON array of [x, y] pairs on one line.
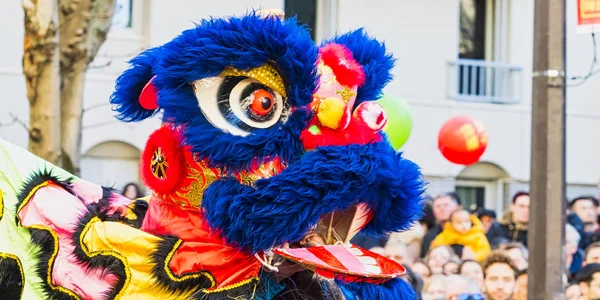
[[373, 269], [356, 252], [366, 260]]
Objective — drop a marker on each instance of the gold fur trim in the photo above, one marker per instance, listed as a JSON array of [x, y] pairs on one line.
[[232, 286]]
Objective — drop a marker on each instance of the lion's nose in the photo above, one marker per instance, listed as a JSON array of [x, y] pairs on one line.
[[333, 113]]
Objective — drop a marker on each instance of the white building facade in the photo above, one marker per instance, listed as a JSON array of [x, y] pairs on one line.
[[455, 57]]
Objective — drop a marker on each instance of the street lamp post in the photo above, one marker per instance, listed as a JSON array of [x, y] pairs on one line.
[[547, 210]]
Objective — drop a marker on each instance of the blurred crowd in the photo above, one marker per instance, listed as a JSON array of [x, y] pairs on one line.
[[457, 254]]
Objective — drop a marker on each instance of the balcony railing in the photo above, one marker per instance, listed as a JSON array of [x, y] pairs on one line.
[[484, 81]]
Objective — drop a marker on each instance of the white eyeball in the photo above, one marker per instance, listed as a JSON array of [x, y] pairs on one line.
[[238, 104]]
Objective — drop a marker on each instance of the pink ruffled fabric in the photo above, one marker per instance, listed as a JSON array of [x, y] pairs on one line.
[[54, 208]]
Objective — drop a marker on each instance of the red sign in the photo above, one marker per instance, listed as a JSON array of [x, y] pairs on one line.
[[588, 12]]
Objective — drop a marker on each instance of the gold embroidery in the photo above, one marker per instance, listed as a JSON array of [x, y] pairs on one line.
[[199, 176], [202, 176], [194, 193], [346, 94]]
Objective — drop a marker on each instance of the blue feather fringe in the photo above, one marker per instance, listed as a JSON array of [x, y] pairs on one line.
[[129, 85], [282, 208]]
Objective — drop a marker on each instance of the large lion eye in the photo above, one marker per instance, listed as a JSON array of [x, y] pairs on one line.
[[238, 104], [262, 103]]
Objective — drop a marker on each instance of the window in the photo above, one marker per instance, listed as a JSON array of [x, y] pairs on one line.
[[473, 17], [305, 11], [481, 74], [472, 197], [472, 45], [122, 17]]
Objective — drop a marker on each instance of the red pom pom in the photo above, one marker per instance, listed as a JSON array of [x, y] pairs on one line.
[[148, 97], [163, 161], [357, 133], [346, 69]]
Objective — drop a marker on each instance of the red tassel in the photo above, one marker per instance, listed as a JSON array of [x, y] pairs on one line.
[[148, 97], [346, 69]]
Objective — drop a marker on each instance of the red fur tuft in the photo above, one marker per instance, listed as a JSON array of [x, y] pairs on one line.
[[169, 141], [346, 69]]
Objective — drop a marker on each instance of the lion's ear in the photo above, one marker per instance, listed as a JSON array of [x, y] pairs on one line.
[[371, 54], [135, 97]]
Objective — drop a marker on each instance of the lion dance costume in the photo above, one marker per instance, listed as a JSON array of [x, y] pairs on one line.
[[269, 159]]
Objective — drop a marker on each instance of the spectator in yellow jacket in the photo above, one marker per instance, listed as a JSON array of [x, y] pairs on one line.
[[464, 229]]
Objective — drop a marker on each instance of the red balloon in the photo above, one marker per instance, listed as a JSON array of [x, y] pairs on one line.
[[462, 140]]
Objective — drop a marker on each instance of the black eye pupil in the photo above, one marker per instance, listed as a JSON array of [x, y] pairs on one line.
[[265, 103]]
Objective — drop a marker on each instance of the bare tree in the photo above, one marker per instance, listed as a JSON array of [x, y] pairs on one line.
[[41, 70], [84, 25], [62, 37]]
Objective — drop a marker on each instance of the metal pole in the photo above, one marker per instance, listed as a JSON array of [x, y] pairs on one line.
[[547, 210]]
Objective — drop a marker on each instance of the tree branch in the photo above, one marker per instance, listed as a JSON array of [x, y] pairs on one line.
[[100, 66], [11, 123], [101, 124], [122, 55], [15, 120]]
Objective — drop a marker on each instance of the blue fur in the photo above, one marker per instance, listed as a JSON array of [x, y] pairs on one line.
[[206, 51], [233, 153], [283, 208], [371, 54], [130, 84], [396, 289], [243, 43]]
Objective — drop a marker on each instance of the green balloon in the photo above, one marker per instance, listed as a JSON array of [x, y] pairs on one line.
[[399, 121]]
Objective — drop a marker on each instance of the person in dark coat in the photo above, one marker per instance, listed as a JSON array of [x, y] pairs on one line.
[[513, 224], [487, 218], [586, 237]]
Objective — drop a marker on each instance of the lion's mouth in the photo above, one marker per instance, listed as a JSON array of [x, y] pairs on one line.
[[326, 250], [337, 227]]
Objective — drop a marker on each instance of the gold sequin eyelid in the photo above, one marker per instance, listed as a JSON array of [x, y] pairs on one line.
[[265, 74]]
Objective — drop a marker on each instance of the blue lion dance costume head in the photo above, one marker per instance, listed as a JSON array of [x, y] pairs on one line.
[[269, 159]]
